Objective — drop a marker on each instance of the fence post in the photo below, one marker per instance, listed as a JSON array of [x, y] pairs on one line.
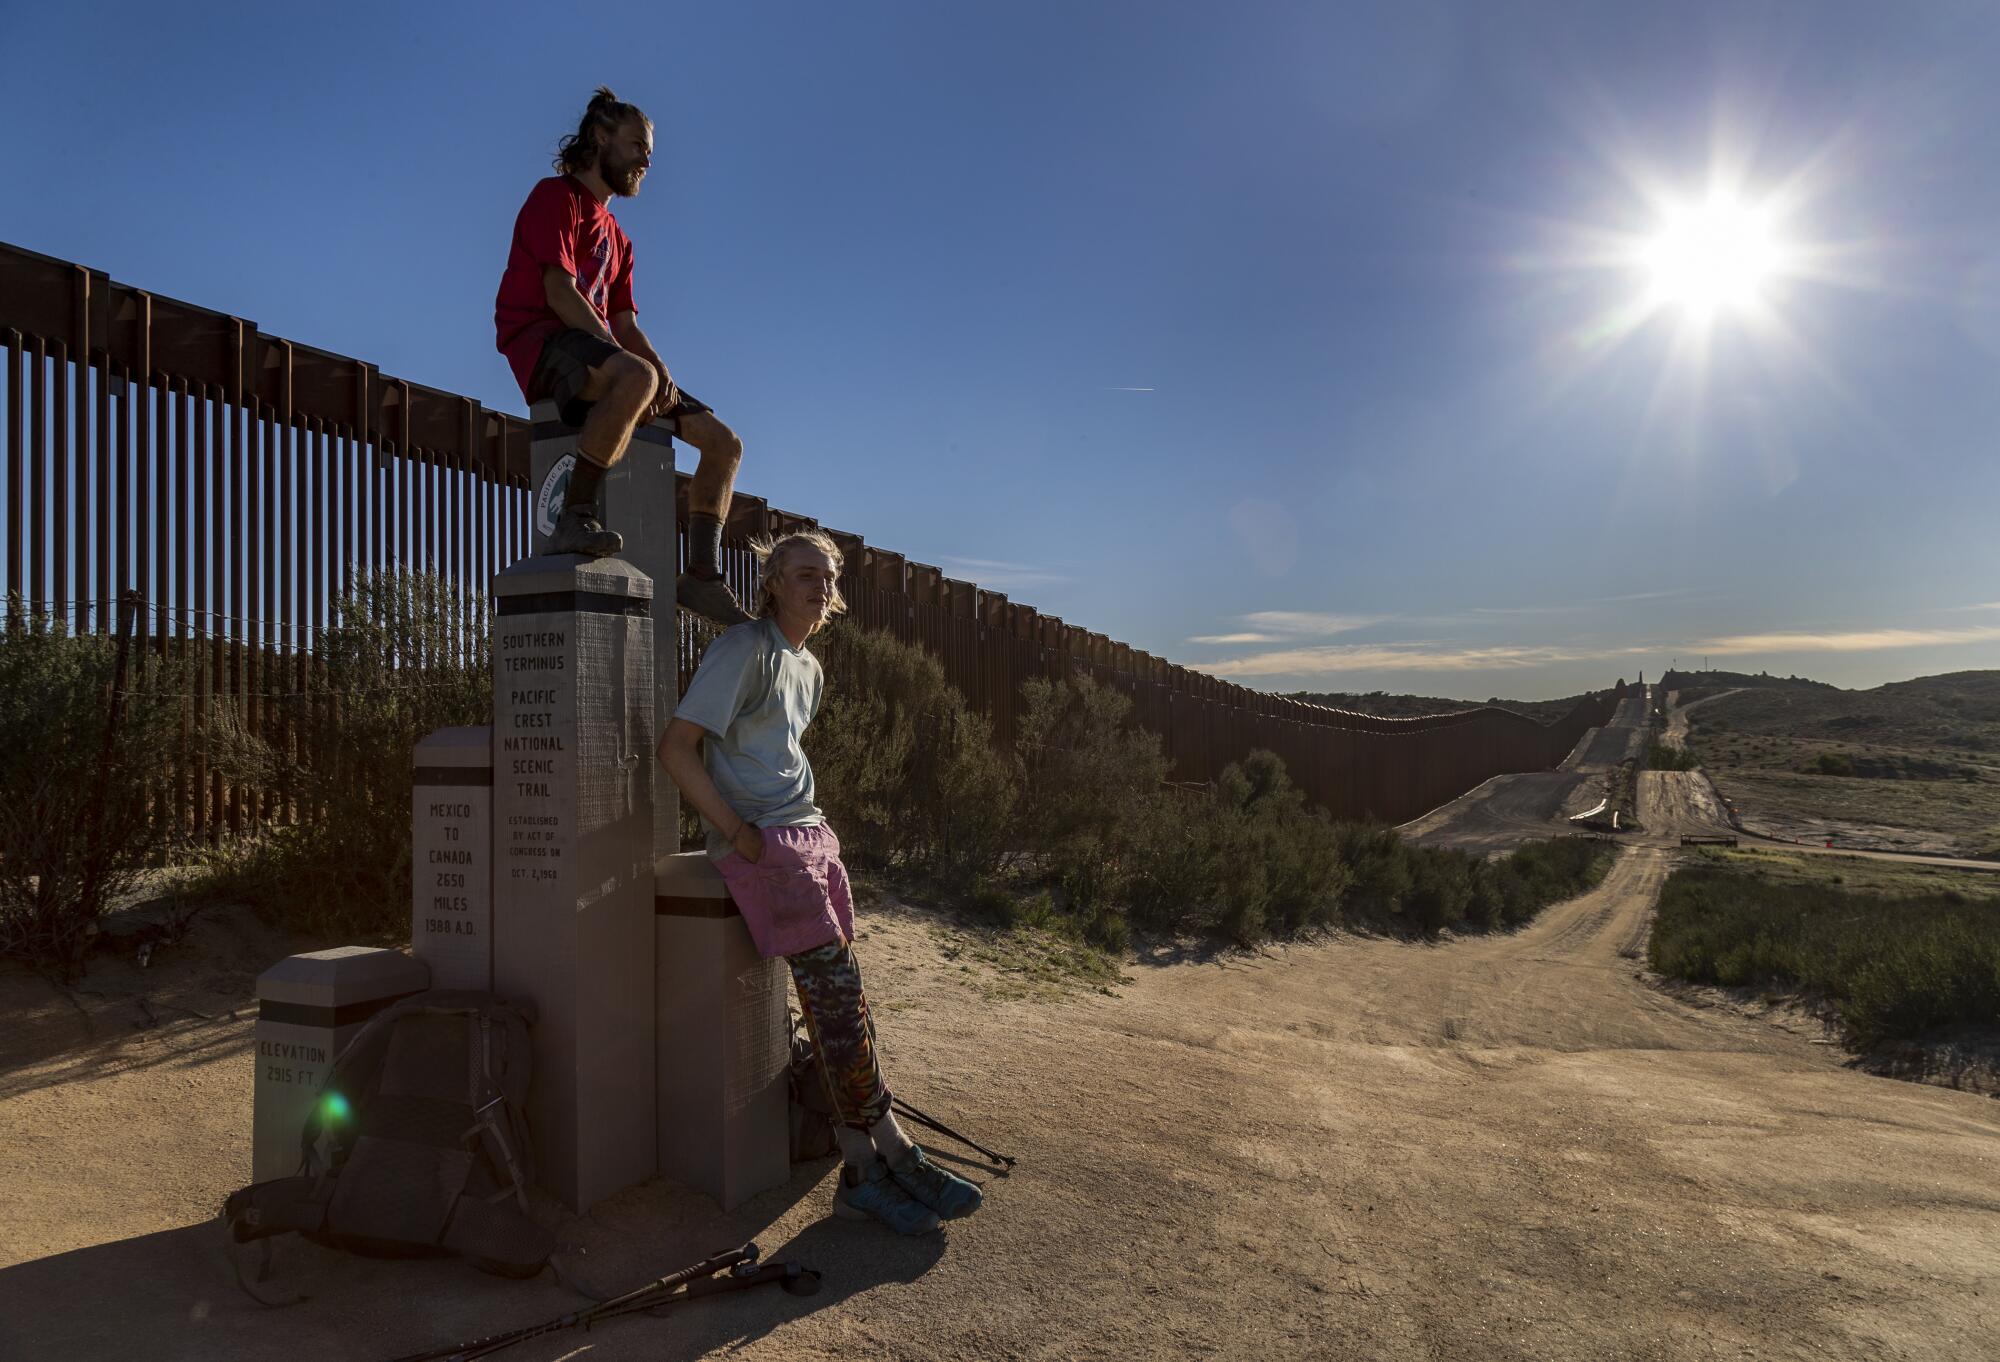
[[115, 704]]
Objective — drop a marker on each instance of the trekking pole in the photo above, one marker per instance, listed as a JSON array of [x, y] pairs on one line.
[[660, 1286], [905, 1109], [796, 1278]]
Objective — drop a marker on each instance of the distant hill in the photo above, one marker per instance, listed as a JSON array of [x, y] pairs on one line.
[[1908, 766], [1415, 706], [1679, 680], [1956, 712]]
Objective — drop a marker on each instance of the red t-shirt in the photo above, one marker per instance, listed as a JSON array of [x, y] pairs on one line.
[[562, 223]]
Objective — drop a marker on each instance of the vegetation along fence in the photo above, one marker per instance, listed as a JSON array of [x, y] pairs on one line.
[[229, 485]]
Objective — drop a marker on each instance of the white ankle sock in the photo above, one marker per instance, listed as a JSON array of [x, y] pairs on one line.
[[889, 1138], [855, 1146]]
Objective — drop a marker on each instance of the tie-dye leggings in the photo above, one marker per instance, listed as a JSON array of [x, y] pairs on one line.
[[836, 1011]]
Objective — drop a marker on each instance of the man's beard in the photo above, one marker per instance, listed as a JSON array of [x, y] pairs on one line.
[[621, 176]]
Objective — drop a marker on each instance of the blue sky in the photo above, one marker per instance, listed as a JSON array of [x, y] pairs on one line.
[[1309, 345]]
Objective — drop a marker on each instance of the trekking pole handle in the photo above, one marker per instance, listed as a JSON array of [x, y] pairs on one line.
[[708, 1267]]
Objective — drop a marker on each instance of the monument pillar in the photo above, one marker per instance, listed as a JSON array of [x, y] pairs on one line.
[[638, 501], [451, 857], [573, 735], [719, 1043], [724, 1046], [308, 1007]]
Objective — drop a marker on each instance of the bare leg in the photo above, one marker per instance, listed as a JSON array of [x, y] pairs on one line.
[[702, 588], [619, 391], [721, 455]]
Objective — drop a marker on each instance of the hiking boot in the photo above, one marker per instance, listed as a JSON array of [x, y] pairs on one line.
[[578, 530], [874, 1195], [711, 598], [945, 1192]]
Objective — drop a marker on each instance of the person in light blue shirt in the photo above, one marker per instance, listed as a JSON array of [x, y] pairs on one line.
[[734, 751], [753, 697]]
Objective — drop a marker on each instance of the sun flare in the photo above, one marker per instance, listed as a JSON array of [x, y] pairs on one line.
[[1716, 256]]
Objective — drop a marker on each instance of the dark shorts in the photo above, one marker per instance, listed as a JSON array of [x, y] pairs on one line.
[[564, 368]]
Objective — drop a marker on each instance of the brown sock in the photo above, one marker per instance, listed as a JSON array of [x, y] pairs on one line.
[[704, 544], [584, 481]]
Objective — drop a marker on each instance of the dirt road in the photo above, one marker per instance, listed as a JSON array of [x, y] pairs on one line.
[[1676, 732], [1496, 1148], [1499, 814]]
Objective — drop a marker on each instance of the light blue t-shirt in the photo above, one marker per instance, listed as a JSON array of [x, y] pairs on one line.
[[754, 694]]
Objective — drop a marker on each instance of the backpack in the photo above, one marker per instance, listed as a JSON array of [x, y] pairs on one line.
[[418, 1144], [811, 1109]]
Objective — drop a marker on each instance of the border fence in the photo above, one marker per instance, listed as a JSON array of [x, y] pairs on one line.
[[230, 485]]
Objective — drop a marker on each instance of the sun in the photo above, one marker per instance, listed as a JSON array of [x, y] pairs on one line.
[[1713, 257]]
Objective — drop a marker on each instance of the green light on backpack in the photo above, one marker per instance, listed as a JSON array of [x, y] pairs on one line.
[[335, 1108]]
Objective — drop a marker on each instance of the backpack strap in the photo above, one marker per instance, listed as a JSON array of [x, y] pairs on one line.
[[277, 1206]]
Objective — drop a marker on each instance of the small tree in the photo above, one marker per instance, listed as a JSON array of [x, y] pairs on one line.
[[408, 653], [905, 771], [87, 739], [1092, 786]]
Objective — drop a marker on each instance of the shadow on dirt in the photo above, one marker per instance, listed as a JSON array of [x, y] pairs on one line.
[[191, 1002], [172, 1295]]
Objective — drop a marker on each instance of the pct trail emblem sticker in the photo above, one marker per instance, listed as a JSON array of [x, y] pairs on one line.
[[549, 500]]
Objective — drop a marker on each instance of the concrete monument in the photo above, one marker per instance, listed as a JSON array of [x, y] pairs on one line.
[[723, 1042], [308, 1007], [573, 730], [451, 857], [639, 503]]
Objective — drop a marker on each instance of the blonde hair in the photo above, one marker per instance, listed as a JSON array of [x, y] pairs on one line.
[[772, 550]]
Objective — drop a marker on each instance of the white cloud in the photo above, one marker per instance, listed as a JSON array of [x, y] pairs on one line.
[[996, 575], [1860, 640], [1575, 607], [1411, 657], [1326, 659], [1298, 622]]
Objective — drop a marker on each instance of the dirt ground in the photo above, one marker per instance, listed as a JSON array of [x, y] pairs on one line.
[[1493, 1148], [1774, 795]]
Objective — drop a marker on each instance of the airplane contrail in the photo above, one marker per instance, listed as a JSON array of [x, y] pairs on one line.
[[1128, 390]]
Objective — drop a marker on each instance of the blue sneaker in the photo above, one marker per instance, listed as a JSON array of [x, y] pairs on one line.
[[945, 1192], [872, 1194]]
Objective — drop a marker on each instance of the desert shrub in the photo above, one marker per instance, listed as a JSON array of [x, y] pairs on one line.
[[1440, 890], [1945, 973], [80, 808], [1381, 871], [1661, 757], [1245, 859], [1541, 873], [1304, 875], [1485, 907], [1893, 968], [408, 654], [1092, 786], [1184, 872], [905, 771]]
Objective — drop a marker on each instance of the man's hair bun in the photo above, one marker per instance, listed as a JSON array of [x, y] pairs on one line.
[[603, 117]]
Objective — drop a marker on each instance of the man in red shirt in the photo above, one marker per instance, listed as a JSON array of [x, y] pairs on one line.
[[569, 329]]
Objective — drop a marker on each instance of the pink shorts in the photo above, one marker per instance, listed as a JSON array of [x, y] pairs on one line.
[[796, 897]]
